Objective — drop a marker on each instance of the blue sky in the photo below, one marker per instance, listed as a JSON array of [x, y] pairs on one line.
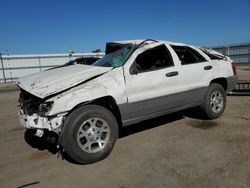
[[46, 26]]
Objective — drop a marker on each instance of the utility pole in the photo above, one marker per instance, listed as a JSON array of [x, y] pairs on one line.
[[4, 78]]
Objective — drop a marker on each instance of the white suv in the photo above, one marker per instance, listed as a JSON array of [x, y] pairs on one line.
[[136, 80]]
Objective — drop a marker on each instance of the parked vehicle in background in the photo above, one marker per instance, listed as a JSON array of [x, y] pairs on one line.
[[136, 80], [81, 60]]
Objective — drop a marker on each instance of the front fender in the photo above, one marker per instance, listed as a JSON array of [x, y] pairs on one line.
[[64, 103], [110, 84]]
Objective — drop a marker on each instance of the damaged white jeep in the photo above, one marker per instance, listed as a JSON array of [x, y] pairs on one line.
[[135, 81]]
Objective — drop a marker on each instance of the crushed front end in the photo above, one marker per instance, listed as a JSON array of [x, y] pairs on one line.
[[33, 114]]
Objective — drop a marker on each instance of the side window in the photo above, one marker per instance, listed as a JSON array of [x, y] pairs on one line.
[[152, 59], [188, 55]]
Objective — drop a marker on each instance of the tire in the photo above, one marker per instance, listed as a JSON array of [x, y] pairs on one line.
[[215, 101], [89, 134]]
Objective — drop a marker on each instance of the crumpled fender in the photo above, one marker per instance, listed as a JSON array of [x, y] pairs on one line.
[[109, 84]]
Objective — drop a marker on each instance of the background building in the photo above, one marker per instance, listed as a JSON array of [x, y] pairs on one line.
[[240, 53]]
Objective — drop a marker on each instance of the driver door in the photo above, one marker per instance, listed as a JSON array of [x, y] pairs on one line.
[[152, 80]]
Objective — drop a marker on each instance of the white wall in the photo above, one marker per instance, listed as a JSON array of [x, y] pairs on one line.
[[21, 65]]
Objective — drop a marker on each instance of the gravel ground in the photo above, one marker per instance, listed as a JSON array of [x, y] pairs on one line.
[[243, 73], [176, 150]]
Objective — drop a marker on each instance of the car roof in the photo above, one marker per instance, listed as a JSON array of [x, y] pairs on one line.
[[138, 41]]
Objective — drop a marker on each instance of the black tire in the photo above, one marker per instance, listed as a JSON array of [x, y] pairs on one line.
[[74, 127], [210, 109]]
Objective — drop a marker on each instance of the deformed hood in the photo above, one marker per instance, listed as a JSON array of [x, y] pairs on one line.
[[53, 81]]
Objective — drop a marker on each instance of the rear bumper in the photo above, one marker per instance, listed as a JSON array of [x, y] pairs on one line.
[[231, 83]]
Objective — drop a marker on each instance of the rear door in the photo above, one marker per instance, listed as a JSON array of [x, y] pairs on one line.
[[195, 73]]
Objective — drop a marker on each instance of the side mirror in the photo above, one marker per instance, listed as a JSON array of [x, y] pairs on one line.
[[133, 72], [133, 69]]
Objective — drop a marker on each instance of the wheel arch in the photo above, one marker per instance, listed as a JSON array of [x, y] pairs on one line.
[[222, 81], [106, 101]]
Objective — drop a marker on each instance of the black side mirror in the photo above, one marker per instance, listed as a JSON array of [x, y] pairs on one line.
[[133, 69]]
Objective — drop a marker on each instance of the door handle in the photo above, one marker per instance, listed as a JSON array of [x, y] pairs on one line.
[[175, 73], [208, 67]]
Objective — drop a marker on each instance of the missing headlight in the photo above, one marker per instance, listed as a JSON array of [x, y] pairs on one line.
[[44, 108]]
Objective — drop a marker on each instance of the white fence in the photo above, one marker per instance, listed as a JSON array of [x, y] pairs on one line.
[[14, 66]]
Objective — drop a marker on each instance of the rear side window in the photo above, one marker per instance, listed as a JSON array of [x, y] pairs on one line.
[[188, 55], [153, 59]]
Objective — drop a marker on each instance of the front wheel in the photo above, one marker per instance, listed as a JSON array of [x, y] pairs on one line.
[[215, 101], [89, 134]]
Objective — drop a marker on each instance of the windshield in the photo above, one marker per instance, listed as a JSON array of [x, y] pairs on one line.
[[115, 59]]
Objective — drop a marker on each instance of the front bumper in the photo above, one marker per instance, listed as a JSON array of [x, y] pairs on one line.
[[37, 122]]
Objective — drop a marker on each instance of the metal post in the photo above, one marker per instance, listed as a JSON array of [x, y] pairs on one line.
[[70, 54], [39, 61], [4, 78], [228, 50]]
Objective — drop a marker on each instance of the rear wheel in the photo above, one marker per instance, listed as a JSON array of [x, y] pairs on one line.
[[215, 101], [89, 134]]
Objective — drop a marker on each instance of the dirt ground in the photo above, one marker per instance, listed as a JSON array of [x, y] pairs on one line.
[[176, 150], [243, 72]]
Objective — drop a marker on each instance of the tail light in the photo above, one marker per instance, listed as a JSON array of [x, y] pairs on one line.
[[234, 68]]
